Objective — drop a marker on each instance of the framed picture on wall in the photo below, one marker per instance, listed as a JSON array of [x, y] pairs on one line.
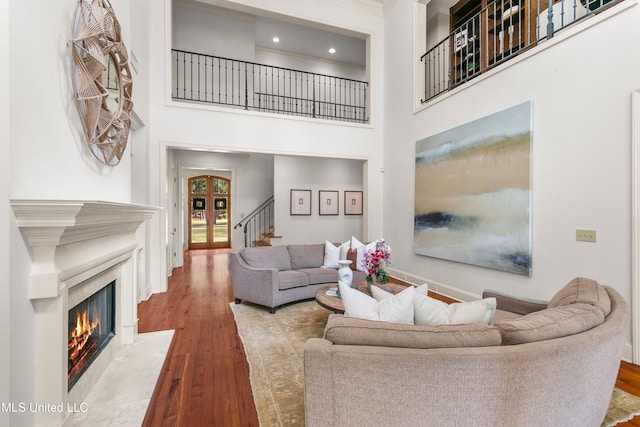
[[300, 202], [353, 202], [328, 202]]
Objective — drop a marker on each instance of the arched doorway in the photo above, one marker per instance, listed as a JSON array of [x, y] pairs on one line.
[[209, 212]]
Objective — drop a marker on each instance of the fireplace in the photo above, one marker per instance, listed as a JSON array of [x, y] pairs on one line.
[[92, 324], [84, 259]]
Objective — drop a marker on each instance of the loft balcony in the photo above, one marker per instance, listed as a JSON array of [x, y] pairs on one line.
[[251, 86], [484, 35]]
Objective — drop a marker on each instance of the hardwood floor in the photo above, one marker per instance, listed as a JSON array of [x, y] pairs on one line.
[[205, 377], [629, 381]]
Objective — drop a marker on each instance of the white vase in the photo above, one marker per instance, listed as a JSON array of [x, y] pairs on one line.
[[345, 275]]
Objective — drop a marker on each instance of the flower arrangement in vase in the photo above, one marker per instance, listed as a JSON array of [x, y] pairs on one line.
[[373, 263]]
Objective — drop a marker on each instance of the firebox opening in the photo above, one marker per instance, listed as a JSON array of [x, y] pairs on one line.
[[92, 324]]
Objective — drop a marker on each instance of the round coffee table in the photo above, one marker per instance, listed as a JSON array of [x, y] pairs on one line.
[[335, 304]]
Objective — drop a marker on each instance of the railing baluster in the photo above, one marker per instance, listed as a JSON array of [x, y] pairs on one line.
[[246, 88], [212, 81], [503, 34], [205, 79], [550, 20], [184, 78], [177, 74], [314, 96], [277, 89], [258, 223]]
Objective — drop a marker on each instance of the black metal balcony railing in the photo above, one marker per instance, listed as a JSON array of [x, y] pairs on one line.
[[496, 34], [251, 86]]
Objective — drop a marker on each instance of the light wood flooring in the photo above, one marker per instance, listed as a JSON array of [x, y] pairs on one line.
[[205, 377]]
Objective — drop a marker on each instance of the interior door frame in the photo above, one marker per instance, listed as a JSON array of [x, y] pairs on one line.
[[635, 226], [181, 210], [209, 197]]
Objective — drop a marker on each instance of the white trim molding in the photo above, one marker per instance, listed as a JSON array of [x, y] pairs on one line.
[[77, 248], [635, 226], [48, 225]]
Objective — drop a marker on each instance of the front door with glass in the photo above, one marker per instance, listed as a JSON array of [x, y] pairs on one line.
[[209, 212]]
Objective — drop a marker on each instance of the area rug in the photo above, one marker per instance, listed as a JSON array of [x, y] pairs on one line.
[[274, 344], [623, 407]]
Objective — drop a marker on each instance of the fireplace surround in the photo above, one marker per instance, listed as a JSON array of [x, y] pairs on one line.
[[92, 325], [77, 248]]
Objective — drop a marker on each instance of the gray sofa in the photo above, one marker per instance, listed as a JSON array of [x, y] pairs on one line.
[[537, 364], [276, 275]]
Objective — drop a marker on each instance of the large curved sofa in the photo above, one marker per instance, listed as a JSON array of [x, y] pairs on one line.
[[533, 366], [275, 275]]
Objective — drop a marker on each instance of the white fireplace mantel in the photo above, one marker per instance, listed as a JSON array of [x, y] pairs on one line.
[[49, 224], [77, 247]]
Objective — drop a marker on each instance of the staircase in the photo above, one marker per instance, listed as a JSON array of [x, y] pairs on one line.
[[265, 240], [258, 225]]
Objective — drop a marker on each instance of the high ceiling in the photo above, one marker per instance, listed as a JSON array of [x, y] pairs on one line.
[[297, 36], [304, 40]]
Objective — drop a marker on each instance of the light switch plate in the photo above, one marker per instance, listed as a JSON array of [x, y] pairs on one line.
[[586, 235]]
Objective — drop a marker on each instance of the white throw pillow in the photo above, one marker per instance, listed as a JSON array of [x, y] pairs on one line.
[[432, 312], [394, 309], [344, 248], [429, 311], [355, 243], [331, 255], [422, 289], [480, 311], [379, 294]]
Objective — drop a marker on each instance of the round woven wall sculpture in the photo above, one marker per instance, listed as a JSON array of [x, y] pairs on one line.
[[102, 80]]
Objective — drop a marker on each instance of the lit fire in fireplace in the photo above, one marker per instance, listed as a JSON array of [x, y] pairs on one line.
[[91, 326], [79, 336]]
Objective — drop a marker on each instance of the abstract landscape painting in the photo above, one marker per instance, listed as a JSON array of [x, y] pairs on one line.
[[473, 192]]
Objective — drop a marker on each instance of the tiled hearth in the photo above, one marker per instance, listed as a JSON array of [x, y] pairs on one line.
[[77, 248]]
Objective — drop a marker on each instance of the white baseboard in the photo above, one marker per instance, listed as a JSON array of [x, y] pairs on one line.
[[627, 353], [440, 288]]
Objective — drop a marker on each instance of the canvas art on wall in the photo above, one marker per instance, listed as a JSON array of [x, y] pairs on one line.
[[473, 192]]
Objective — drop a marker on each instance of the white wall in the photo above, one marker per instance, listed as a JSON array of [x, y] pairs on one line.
[[303, 63], [581, 152], [251, 184], [307, 173], [48, 158], [178, 126], [139, 60], [256, 177], [231, 35], [5, 177], [197, 29], [138, 48], [44, 117], [438, 25]]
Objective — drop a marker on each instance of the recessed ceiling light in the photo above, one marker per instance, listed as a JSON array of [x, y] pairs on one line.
[[332, 50], [276, 40]]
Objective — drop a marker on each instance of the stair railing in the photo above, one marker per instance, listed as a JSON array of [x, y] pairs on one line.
[[258, 223]]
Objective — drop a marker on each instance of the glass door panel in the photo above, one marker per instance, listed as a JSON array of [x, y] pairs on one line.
[[221, 220], [209, 225], [198, 220]]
